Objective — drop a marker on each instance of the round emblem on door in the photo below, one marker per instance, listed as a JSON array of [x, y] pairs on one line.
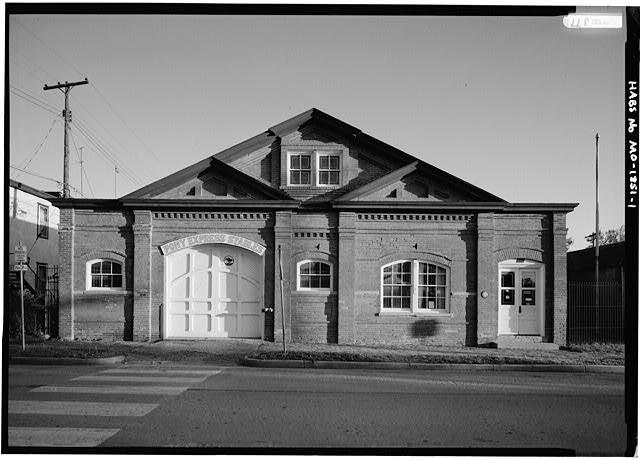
[[228, 260]]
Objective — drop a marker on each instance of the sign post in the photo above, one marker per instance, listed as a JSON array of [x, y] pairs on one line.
[[21, 259]]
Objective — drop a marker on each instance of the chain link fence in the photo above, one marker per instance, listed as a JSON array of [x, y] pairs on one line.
[[595, 312]]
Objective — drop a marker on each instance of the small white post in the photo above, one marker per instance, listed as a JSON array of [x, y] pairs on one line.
[[22, 306]]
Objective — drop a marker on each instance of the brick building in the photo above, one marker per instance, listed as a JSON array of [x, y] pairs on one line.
[[375, 246]]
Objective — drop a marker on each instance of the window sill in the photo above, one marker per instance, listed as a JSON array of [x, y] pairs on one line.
[[105, 291], [444, 314], [316, 292]]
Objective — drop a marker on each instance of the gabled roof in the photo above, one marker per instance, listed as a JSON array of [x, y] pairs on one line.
[[33, 191], [359, 138], [191, 171]]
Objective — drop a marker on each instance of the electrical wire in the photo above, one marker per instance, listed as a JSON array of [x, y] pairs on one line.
[[15, 93], [100, 149], [39, 147], [105, 146], [82, 170], [13, 86], [123, 122]]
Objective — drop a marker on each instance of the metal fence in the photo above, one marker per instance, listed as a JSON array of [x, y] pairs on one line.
[[595, 312]]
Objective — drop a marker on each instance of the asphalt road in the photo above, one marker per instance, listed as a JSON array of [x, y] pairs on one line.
[[196, 406]]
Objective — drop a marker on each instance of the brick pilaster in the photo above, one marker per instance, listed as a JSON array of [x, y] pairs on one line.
[[560, 279], [487, 314], [142, 314], [346, 276], [283, 235], [66, 274]]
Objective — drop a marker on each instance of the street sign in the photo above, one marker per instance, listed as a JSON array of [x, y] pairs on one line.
[[20, 253], [20, 268]]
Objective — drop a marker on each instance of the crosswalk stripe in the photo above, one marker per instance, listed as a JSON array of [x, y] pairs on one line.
[[59, 437], [135, 378], [103, 409], [115, 389], [128, 370]]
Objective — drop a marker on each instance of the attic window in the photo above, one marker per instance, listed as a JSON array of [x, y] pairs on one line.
[[393, 193], [299, 169], [192, 191]]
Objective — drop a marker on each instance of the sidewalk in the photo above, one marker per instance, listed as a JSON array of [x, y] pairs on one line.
[[268, 354]]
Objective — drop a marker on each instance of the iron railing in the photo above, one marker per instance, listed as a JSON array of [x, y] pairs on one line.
[[595, 312]]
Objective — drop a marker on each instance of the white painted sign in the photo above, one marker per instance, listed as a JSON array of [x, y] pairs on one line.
[[20, 268], [20, 252], [206, 238]]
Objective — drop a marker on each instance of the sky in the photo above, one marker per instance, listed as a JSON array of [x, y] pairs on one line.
[[509, 104]]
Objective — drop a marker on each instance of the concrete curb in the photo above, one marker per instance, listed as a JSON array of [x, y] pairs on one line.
[[283, 363], [64, 361]]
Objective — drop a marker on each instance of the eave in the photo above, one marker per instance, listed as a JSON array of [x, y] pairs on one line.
[[31, 191], [192, 204], [455, 205]]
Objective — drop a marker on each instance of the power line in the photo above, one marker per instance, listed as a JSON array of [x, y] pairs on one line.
[[105, 145], [39, 147], [100, 149], [82, 170], [60, 184], [123, 122], [45, 44], [97, 90], [12, 85], [15, 93], [95, 140]]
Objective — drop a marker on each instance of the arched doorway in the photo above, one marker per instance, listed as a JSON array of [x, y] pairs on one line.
[[213, 290], [520, 297]]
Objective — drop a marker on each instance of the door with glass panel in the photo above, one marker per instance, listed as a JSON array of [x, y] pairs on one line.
[[519, 301]]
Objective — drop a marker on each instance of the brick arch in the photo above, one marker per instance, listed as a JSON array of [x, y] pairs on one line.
[[113, 255], [518, 253], [425, 256]]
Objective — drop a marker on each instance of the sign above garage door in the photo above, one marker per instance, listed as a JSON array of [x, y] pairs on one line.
[[206, 238]]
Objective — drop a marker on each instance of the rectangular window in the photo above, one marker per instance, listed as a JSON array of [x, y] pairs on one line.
[[42, 226], [432, 283], [328, 169], [41, 279], [508, 288], [299, 169]]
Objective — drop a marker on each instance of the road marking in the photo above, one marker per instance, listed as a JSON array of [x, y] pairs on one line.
[[127, 370], [103, 409], [59, 437], [135, 378], [133, 390]]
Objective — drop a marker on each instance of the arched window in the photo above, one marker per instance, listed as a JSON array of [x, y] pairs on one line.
[[104, 274], [315, 275], [414, 286]]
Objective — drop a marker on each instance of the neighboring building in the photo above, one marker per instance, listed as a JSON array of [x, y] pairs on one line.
[[581, 264], [33, 220], [375, 247]]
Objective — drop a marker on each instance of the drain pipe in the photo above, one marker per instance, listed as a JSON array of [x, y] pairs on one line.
[[284, 337]]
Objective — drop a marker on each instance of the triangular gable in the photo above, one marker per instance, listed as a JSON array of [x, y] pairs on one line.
[[366, 143], [211, 179], [413, 182]]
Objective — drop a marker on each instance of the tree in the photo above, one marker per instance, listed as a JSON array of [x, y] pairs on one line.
[[569, 242], [609, 237]]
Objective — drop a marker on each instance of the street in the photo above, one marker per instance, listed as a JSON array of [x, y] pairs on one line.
[[217, 406]]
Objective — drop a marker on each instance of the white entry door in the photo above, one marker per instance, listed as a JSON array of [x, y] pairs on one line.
[[213, 290], [520, 302]]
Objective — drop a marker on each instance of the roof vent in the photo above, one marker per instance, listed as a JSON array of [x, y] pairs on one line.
[[393, 193]]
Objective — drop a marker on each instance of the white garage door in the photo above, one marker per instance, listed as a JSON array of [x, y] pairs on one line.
[[213, 290]]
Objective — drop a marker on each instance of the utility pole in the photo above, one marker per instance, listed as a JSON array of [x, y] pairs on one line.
[[81, 171], [597, 236], [66, 113]]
